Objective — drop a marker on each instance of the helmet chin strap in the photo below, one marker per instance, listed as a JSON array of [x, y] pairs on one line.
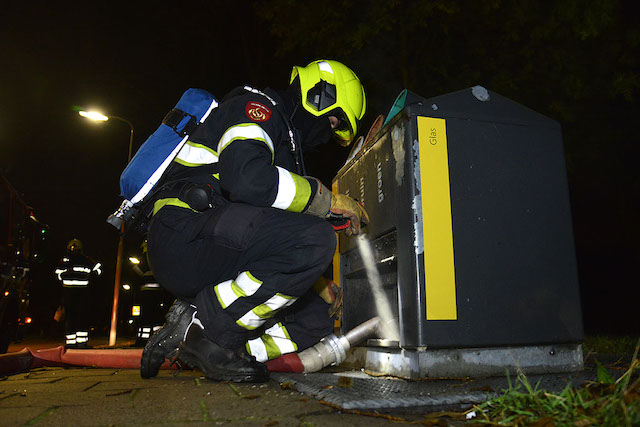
[[314, 131], [295, 110]]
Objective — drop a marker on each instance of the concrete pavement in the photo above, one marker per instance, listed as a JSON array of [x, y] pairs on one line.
[[99, 396], [94, 397], [86, 396]]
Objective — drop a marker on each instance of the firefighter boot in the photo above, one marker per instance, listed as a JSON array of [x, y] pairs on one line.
[[164, 343], [219, 363]]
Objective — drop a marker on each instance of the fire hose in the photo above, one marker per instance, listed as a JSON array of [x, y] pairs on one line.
[[331, 350]]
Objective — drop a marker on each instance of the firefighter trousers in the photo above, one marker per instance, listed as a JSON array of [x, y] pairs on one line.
[[77, 308], [249, 270]]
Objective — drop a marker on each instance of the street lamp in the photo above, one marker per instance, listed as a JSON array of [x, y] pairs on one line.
[[99, 117], [93, 115]]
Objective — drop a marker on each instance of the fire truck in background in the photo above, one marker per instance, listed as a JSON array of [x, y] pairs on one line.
[[22, 240]]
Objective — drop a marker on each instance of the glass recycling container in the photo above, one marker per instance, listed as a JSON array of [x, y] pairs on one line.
[[472, 238]]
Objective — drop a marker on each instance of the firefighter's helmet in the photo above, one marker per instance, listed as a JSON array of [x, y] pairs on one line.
[[330, 88], [75, 245]]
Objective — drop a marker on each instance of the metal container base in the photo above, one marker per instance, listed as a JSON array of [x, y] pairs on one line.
[[416, 363]]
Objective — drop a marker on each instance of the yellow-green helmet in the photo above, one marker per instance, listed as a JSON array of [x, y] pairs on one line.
[[330, 88]]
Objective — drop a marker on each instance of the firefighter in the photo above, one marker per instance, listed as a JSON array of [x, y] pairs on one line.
[[75, 273], [241, 235]]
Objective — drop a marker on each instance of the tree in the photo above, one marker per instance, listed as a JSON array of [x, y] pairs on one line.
[[576, 61]]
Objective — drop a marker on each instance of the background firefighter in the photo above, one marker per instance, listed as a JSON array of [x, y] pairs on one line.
[[75, 273], [240, 234]]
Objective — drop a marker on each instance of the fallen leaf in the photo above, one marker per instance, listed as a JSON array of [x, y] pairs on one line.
[[251, 396], [452, 415]]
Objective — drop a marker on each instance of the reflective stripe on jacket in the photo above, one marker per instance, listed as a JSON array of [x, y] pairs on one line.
[[76, 270]]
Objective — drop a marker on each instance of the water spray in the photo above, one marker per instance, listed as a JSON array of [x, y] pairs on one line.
[[332, 349], [389, 329]]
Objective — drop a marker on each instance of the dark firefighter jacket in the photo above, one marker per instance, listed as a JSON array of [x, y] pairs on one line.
[[245, 151], [76, 270]]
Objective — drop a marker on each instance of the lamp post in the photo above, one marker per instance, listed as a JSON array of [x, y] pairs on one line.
[[92, 115]]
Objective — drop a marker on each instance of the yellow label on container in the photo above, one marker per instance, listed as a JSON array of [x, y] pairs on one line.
[[439, 271]]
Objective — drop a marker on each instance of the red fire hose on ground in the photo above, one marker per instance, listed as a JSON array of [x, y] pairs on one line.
[[331, 350], [27, 359]]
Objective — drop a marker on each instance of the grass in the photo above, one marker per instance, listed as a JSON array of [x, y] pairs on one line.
[[607, 344], [606, 402]]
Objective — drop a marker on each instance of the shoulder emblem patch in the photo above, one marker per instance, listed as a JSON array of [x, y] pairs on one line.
[[257, 112]]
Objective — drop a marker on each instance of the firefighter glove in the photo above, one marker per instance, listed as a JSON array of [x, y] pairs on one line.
[[330, 292], [343, 212], [321, 203], [351, 210]]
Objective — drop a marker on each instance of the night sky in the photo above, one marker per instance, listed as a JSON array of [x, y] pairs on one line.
[[134, 62]]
